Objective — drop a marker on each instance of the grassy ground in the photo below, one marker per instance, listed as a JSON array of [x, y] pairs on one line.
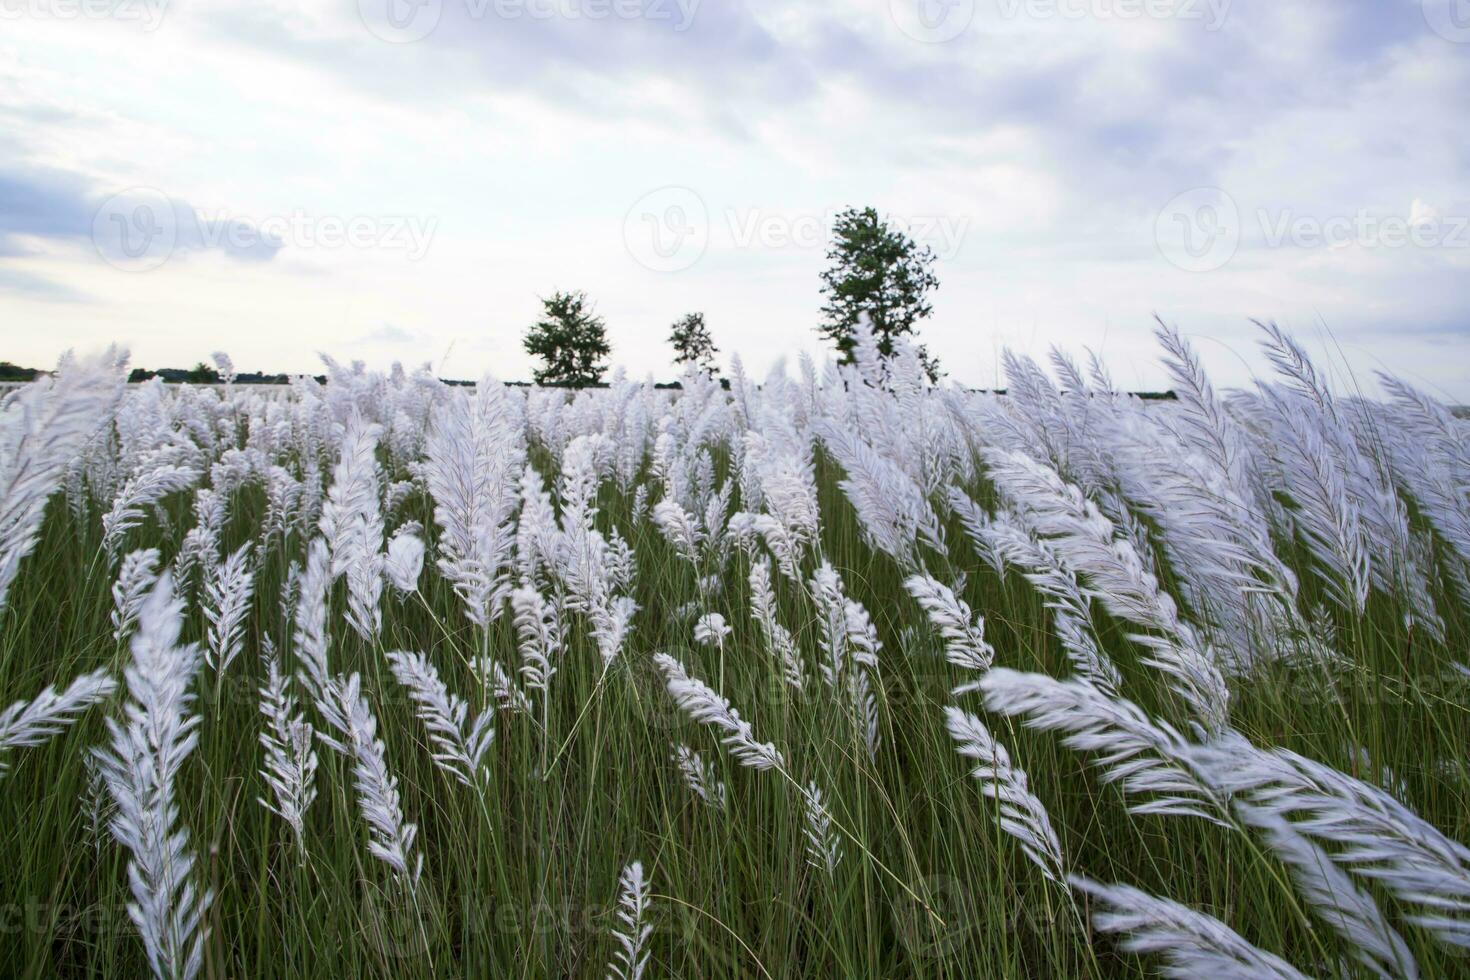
[[521, 879]]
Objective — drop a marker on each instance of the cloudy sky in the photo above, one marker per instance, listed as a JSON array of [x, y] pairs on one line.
[[401, 179]]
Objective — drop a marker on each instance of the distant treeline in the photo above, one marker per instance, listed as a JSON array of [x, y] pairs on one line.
[[204, 374]]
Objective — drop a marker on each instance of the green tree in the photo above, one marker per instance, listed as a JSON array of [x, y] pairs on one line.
[[878, 270], [570, 339], [692, 342], [14, 372], [202, 373]]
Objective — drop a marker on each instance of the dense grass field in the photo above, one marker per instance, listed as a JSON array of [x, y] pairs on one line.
[[989, 662]]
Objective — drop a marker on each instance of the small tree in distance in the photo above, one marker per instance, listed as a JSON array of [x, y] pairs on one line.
[[570, 339], [692, 342], [202, 374], [878, 270]]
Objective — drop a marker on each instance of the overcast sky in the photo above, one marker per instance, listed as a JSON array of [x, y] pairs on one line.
[[393, 180]]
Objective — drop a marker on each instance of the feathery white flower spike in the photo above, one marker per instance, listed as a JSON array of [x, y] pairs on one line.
[[1373, 835], [311, 637], [42, 428], [146, 488], [97, 805], [777, 638], [405, 562], [26, 724], [823, 846], [1022, 815], [508, 695], [390, 838], [1011, 544], [290, 754], [704, 705], [226, 604], [475, 453], [711, 630], [1192, 944], [964, 643], [1348, 909], [700, 776], [136, 576], [1149, 758], [538, 628], [139, 766], [1117, 578], [352, 524], [460, 744], [633, 928]]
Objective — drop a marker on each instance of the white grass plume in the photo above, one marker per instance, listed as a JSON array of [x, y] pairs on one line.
[[1148, 758], [704, 705], [226, 604], [508, 694], [136, 576], [140, 764], [711, 630], [404, 562], [538, 629], [311, 638], [1372, 834], [892, 509], [42, 429], [290, 753], [1349, 910], [1085, 540], [460, 743], [1192, 944], [826, 592], [537, 535], [26, 724], [1022, 815], [701, 777], [1006, 542], [778, 641], [964, 640], [352, 524], [475, 453], [633, 929], [390, 837], [823, 846], [142, 491], [97, 805]]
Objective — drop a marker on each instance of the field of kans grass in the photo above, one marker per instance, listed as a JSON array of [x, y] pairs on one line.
[[839, 674]]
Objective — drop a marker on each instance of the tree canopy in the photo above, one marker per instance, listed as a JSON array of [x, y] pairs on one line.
[[692, 342], [570, 340], [879, 270]]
